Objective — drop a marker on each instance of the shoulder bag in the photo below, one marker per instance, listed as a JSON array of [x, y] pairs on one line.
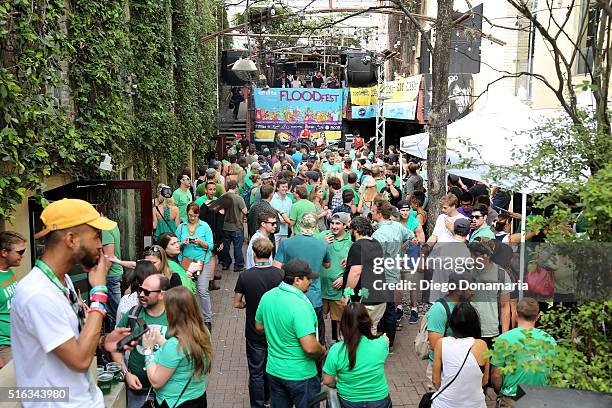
[[429, 397]]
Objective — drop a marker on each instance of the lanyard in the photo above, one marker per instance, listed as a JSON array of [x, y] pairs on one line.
[[70, 295]]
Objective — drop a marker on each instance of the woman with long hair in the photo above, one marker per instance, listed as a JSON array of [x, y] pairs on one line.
[[367, 195], [158, 257], [460, 355], [170, 243], [177, 370], [165, 214], [356, 365], [316, 197], [196, 239]]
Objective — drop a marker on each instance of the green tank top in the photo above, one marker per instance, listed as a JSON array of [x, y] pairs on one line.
[[164, 224], [185, 279]]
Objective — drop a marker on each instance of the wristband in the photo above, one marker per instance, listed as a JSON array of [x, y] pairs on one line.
[[99, 297], [100, 288], [97, 309], [149, 360]]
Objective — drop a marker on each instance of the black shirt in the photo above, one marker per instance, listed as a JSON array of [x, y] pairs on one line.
[[362, 252], [317, 82], [478, 190], [253, 283]]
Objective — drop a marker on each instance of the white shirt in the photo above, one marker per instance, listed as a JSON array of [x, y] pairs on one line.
[[440, 230], [249, 262], [41, 320]]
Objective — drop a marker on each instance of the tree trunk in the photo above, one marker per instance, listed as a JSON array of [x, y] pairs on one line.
[[436, 155]]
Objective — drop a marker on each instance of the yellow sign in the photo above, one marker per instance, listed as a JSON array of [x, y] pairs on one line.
[[363, 96], [403, 89]]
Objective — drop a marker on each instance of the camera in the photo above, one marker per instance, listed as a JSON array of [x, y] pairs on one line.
[[191, 240], [165, 191]]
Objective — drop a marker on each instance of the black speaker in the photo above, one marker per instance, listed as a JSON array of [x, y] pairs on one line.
[[228, 57], [360, 68]]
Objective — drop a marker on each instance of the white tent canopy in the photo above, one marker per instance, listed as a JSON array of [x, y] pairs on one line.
[[485, 137]]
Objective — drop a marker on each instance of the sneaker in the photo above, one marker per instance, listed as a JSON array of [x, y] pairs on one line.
[[239, 270], [225, 268], [391, 349], [414, 317]]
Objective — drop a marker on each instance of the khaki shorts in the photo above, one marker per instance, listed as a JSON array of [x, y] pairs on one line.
[[376, 313], [334, 307]]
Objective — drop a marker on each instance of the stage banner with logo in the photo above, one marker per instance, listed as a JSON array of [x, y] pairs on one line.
[[363, 102], [402, 96], [298, 113]]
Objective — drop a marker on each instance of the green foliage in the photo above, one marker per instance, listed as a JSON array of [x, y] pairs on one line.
[[581, 358], [596, 198], [99, 38], [584, 346], [141, 90], [36, 138]]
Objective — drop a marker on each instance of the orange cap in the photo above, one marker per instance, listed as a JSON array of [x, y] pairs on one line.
[[70, 212]]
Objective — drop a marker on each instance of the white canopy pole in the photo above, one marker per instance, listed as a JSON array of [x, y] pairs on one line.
[[523, 225], [401, 175]]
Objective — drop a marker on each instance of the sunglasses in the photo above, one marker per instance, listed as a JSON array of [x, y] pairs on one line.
[[270, 222], [475, 217], [152, 248], [21, 252], [146, 292]]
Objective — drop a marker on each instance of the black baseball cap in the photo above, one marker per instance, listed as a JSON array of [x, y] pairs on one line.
[[403, 204], [462, 227], [297, 268]]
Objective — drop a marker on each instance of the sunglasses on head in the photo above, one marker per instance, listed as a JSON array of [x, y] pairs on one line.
[[152, 248], [146, 292]]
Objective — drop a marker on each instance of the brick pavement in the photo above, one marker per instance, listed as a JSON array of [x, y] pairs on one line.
[[227, 384]]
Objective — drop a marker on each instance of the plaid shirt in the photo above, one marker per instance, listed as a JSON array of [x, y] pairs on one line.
[[336, 200]]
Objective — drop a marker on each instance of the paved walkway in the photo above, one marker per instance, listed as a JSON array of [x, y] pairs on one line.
[[227, 385]]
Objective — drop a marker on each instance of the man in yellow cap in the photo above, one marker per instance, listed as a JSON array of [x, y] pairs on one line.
[[53, 338]]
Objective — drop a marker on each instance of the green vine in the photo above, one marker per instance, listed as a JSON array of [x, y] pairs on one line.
[[36, 139], [123, 77]]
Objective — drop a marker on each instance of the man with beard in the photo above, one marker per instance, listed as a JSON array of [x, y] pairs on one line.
[[152, 311], [52, 344]]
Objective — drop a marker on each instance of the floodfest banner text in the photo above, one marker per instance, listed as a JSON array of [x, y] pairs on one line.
[[301, 112]]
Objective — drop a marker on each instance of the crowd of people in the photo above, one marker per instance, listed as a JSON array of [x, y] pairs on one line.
[[318, 80], [315, 223]]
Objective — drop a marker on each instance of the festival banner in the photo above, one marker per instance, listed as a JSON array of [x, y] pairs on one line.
[[363, 102], [298, 113], [402, 97]]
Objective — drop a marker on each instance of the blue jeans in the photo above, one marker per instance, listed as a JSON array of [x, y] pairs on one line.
[[203, 293], [257, 356], [229, 238], [138, 399], [286, 393], [114, 296], [383, 403], [389, 321]]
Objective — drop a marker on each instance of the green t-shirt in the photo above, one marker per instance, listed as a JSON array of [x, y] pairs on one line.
[[356, 198], [247, 179], [201, 190], [182, 199], [113, 237], [201, 200], [298, 210], [292, 197], [136, 362], [533, 350], [380, 184], [331, 168], [9, 284], [483, 232], [287, 316], [486, 301], [171, 355], [366, 381], [436, 321], [337, 251], [186, 281]]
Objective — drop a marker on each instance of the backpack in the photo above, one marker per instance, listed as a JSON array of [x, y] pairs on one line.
[[246, 196], [421, 341], [133, 316]]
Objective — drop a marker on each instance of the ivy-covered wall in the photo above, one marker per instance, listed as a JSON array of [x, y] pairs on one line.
[[142, 88]]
